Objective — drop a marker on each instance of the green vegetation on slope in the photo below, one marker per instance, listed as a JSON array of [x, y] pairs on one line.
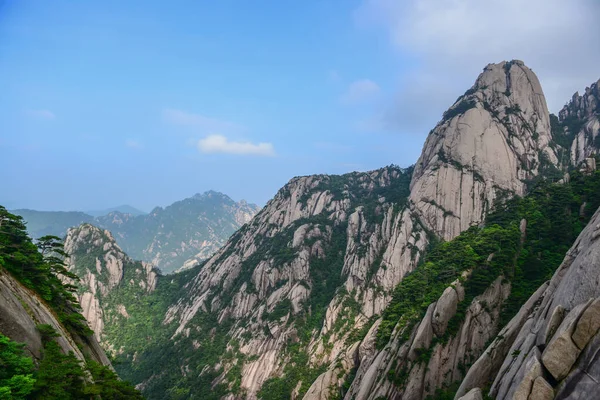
[[208, 343], [555, 216], [40, 268], [58, 376]]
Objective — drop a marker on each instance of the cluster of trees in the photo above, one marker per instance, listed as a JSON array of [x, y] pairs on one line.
[[40, 267], [59, 375]]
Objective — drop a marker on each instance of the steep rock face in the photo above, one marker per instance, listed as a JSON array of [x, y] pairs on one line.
[[415, 368], [21, 311], [102, 266], [489, 143], [581, 119], [554, 350], [319, 234]]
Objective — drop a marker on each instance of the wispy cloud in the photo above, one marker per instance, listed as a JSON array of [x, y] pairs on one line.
[[40, 114], [220, 144], [453, 40], [208, 124], [360, 91], [133, 144]]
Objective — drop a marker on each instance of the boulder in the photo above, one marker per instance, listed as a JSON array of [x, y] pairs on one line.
[[445, 309], [541, 390], [561, 353], [588, 325]]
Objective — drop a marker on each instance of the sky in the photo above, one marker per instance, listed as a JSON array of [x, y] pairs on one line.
[[148, 102]]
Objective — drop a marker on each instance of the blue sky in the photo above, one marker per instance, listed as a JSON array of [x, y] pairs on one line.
[[149, 102]]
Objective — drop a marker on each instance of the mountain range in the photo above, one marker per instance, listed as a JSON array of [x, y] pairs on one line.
[[472, 274], [384, 284], [177, 236], [123, 209]]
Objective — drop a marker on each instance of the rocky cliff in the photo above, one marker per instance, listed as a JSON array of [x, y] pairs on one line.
[[489, 145], [21, 311], [550, 350], [46, 348], [580, 119], [103, 267]]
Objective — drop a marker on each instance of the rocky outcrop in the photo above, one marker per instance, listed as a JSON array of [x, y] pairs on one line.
[[489, 143], [102, 266], [21, 310], [554, 354], [581, 119], [414, 368]]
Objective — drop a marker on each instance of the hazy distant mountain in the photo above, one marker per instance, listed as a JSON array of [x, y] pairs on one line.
[[125, 209], [40, 223], [193, 228], [178, 235]]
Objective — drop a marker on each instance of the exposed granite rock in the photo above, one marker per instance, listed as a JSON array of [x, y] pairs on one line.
[[474, 394], [541, 390], [587, 325], [445, 308], [494, 356], [443, 367], [561, 352], [101, 266], [486, 147], [574, 286], [488, 144], [21, 311], [582, 119]]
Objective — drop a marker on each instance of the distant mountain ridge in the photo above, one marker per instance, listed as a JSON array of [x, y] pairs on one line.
[[125, 209], [179, 235]]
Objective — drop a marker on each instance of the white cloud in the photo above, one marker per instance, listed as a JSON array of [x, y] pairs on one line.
[[452, 40], [360, 91], [40, 114], [220, 144], [179, 117], [133, 144]]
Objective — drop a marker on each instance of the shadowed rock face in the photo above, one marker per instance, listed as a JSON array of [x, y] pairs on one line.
[[21, 311], [554, 354]]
